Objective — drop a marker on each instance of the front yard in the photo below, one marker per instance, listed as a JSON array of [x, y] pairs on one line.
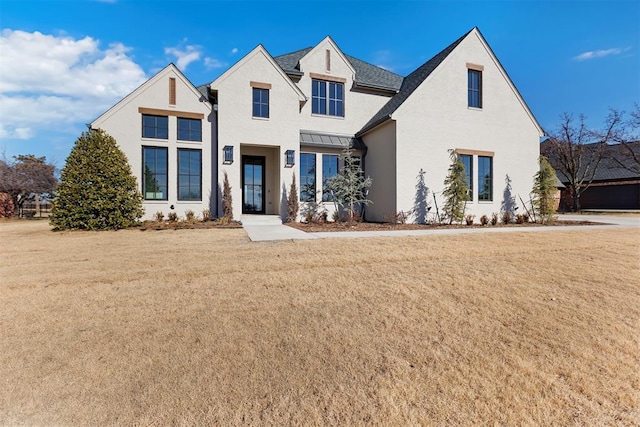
[[204, 327]]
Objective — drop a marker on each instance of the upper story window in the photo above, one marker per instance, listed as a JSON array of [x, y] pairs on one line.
[[154, 177], [155, 126], [474, 78], [327, 98], [485, 178], [260, 102], [189, 129], [467, 161]]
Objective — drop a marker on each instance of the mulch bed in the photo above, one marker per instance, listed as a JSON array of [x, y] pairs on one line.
[[186, 225], [376, 226]]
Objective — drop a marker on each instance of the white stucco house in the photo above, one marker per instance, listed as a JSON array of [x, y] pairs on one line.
[[266, 118]]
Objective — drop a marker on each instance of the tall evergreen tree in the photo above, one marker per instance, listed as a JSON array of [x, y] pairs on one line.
[[97, 189], [544, 191], [292, 201], [227, 200], [456, 189]]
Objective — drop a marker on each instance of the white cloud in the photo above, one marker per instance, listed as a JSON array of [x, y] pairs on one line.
[[52, 83], [384, 59], [212, 63], [234, 50], [184, 57], [592, 54]]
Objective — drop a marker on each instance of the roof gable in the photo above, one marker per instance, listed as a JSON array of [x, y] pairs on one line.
[[417, 77], [259, 50], [171, 67], [334, 47], [366, 74]]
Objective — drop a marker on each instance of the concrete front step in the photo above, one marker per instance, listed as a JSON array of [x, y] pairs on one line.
[[261, 220]]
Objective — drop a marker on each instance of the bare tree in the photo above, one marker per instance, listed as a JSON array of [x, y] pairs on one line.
[[26, 175], [575, 150], [629, 140]]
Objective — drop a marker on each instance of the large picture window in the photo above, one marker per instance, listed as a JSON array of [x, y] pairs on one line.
[[154, 176], [260, 102], [307, 177], [327, 98], [155, 126], [189, 129], [485, 178], [474, 88], [189, 174], [467, 161], [329, 170]]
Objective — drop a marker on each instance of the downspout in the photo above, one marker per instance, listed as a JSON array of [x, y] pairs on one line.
[[364, 168], [215, 186]]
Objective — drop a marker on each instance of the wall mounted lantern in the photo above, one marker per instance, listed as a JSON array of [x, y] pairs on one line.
[[289, 158], [228, 154]]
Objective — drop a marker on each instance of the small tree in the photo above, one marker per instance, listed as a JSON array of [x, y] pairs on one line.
[[456, 190], [227, 201], [293, 205], [97, 189], [349, 188], [26, 175], [544, 191]]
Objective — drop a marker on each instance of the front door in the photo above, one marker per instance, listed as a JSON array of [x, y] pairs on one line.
[[253, 184]]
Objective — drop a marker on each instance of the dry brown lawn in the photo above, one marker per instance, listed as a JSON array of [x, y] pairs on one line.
[[204, 327]]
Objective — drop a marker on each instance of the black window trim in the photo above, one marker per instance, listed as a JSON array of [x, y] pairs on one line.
[[143, 182], [189, 131], [178, 174], [143, 127]]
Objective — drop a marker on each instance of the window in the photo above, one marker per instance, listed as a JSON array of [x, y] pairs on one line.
[[485, 178], [475, 88], [333, 104], [260, 102], [189, 174], [329, 170], [189, 129], [307, 177], [154, 177], [155, 126], [467, 161]]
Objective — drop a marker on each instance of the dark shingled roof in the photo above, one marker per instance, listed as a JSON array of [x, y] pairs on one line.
[[409, 85], [617, 162], [366, 74]]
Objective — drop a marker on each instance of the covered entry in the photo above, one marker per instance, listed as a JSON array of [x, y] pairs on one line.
[[260, 176]]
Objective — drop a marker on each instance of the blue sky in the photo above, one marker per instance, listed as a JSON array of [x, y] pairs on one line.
[[62, 63]]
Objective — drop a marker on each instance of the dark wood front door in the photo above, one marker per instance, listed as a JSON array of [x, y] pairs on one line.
[[253, 184]]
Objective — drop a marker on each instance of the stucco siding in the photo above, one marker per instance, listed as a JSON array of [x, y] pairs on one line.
[[380, 165], [124, 123], [436, 118], [237, 126]]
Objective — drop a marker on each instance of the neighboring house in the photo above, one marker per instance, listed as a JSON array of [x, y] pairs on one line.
[[266, 118], [616, 182]]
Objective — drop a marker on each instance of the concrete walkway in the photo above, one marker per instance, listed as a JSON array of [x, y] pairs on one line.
[[261, 228], [264, 228]]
